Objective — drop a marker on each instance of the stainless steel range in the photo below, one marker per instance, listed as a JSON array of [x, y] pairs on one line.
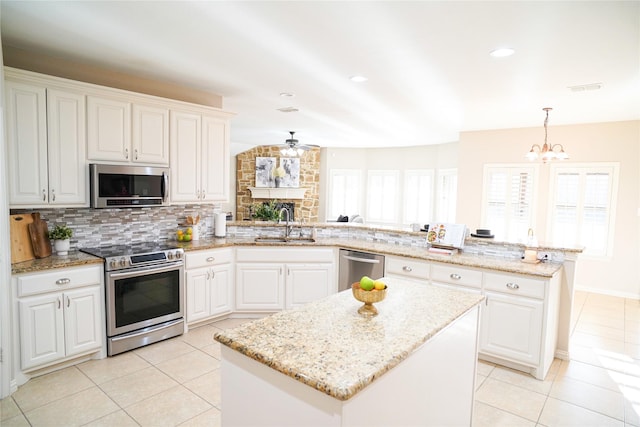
[[144, 288]]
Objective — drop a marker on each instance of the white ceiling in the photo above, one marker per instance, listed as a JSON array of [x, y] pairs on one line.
[[428, 64]]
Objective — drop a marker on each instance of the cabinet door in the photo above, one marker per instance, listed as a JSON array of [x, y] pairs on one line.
[[41, 330], [511, 327], [215, 160], [259, 286], [186, 137], [221, 290], [68, 170], [150, 138], [307, 282], [27, 142], [198, 294], [108, 129], [82, 320]]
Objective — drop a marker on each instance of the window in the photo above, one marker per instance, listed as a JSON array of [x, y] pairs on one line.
[[418, 196], [382, 196], [344, 192], [582, 202], [508, 201], [447, 193]]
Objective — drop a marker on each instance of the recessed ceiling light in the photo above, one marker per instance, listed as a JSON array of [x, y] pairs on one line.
[[287, 94], [288, 109], [584, 88], [358, 79], [502, 52]]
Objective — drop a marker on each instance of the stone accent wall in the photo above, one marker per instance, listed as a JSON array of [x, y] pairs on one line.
[[305, 209]]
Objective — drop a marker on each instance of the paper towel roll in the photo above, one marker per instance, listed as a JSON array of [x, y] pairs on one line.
[[220, 226]]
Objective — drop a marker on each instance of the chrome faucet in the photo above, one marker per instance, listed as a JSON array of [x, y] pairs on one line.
[[287, 229]]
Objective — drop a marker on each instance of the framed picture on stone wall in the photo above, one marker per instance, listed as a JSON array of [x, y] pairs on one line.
[[291, 166], [264, 171]]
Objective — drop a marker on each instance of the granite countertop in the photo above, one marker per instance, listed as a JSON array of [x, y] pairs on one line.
[[543, 269], [74, 259], [330, 347]]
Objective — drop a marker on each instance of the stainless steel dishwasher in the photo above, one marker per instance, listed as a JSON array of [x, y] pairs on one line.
[[355, 264]]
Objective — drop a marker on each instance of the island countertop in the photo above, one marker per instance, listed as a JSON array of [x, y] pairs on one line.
[[327, 345]]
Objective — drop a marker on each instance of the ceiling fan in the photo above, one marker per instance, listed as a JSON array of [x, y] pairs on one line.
[[292, 147]]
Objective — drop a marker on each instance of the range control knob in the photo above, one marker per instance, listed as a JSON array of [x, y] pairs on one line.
[[178, 254], [170, 255], [123, 262], [113, 263]]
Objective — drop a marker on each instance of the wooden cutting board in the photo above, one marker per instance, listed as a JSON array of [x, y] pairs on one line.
[[21, 249], [39, 234]]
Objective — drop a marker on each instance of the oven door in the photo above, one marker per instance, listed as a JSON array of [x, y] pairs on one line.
[[144, 296]]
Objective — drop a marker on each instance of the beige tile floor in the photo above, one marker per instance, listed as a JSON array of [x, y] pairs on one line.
[[177, 382]]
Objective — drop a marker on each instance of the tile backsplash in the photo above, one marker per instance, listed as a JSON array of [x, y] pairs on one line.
[[101, 227]]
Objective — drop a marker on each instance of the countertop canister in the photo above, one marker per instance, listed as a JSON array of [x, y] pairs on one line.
[[220, 224]]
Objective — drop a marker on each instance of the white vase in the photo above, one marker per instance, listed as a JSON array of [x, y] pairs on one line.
[[62, 246]]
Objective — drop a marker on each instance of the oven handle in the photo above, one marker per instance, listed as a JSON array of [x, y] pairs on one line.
[[146, 270]]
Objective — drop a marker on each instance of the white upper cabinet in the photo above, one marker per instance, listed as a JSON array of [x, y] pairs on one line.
[[121, 131], [109, 129], [150, 134], [199, 157], [47, 145]]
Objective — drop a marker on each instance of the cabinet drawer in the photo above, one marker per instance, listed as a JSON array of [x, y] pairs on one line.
[[456, 275], [60, 279], [514, 285], [407, 267], [208, 258], [285, 255]]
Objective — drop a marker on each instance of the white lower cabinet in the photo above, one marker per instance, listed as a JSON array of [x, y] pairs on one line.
[[512, 327], [407, 268], [520, 321], [209, 284], [265, 283], [60, 315]]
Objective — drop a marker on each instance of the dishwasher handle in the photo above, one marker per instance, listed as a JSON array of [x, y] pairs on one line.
[[365, 260]]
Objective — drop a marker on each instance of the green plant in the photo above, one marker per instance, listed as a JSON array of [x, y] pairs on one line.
[[266, 211], [60, 232]]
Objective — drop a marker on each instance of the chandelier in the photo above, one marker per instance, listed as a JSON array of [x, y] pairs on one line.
[[547, 152]]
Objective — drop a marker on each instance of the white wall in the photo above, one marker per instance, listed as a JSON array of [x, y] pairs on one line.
[[598, 142]]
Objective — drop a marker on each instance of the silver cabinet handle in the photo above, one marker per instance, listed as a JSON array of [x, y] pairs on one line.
[[59, 303], [208, 274], [68, 302], [213, 274], [44, 195], [513, 285], [407, 268], [135, 154], [455, 276], [211, 259], [53, 195], [126, 153], [64, 281]]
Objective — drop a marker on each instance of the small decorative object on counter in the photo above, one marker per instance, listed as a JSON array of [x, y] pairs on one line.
[[369, 291], [61, 236], [531, 251]]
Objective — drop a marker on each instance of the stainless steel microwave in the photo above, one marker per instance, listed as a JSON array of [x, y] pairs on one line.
[[124, 186]]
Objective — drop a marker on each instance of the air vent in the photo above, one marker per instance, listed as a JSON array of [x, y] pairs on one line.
[[584, 88], [288, 109]]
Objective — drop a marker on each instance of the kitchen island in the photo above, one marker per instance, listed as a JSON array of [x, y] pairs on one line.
[[324, 364]]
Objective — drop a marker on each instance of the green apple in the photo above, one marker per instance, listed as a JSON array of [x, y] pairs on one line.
[[366, 283]]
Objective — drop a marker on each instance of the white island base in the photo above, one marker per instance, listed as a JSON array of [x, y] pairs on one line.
[[433, 386]]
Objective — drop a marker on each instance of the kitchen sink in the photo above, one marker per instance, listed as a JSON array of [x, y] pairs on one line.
[[284, 240], [271, 239]]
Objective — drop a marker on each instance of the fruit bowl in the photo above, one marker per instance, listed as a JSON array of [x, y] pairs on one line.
[[368, 298]]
